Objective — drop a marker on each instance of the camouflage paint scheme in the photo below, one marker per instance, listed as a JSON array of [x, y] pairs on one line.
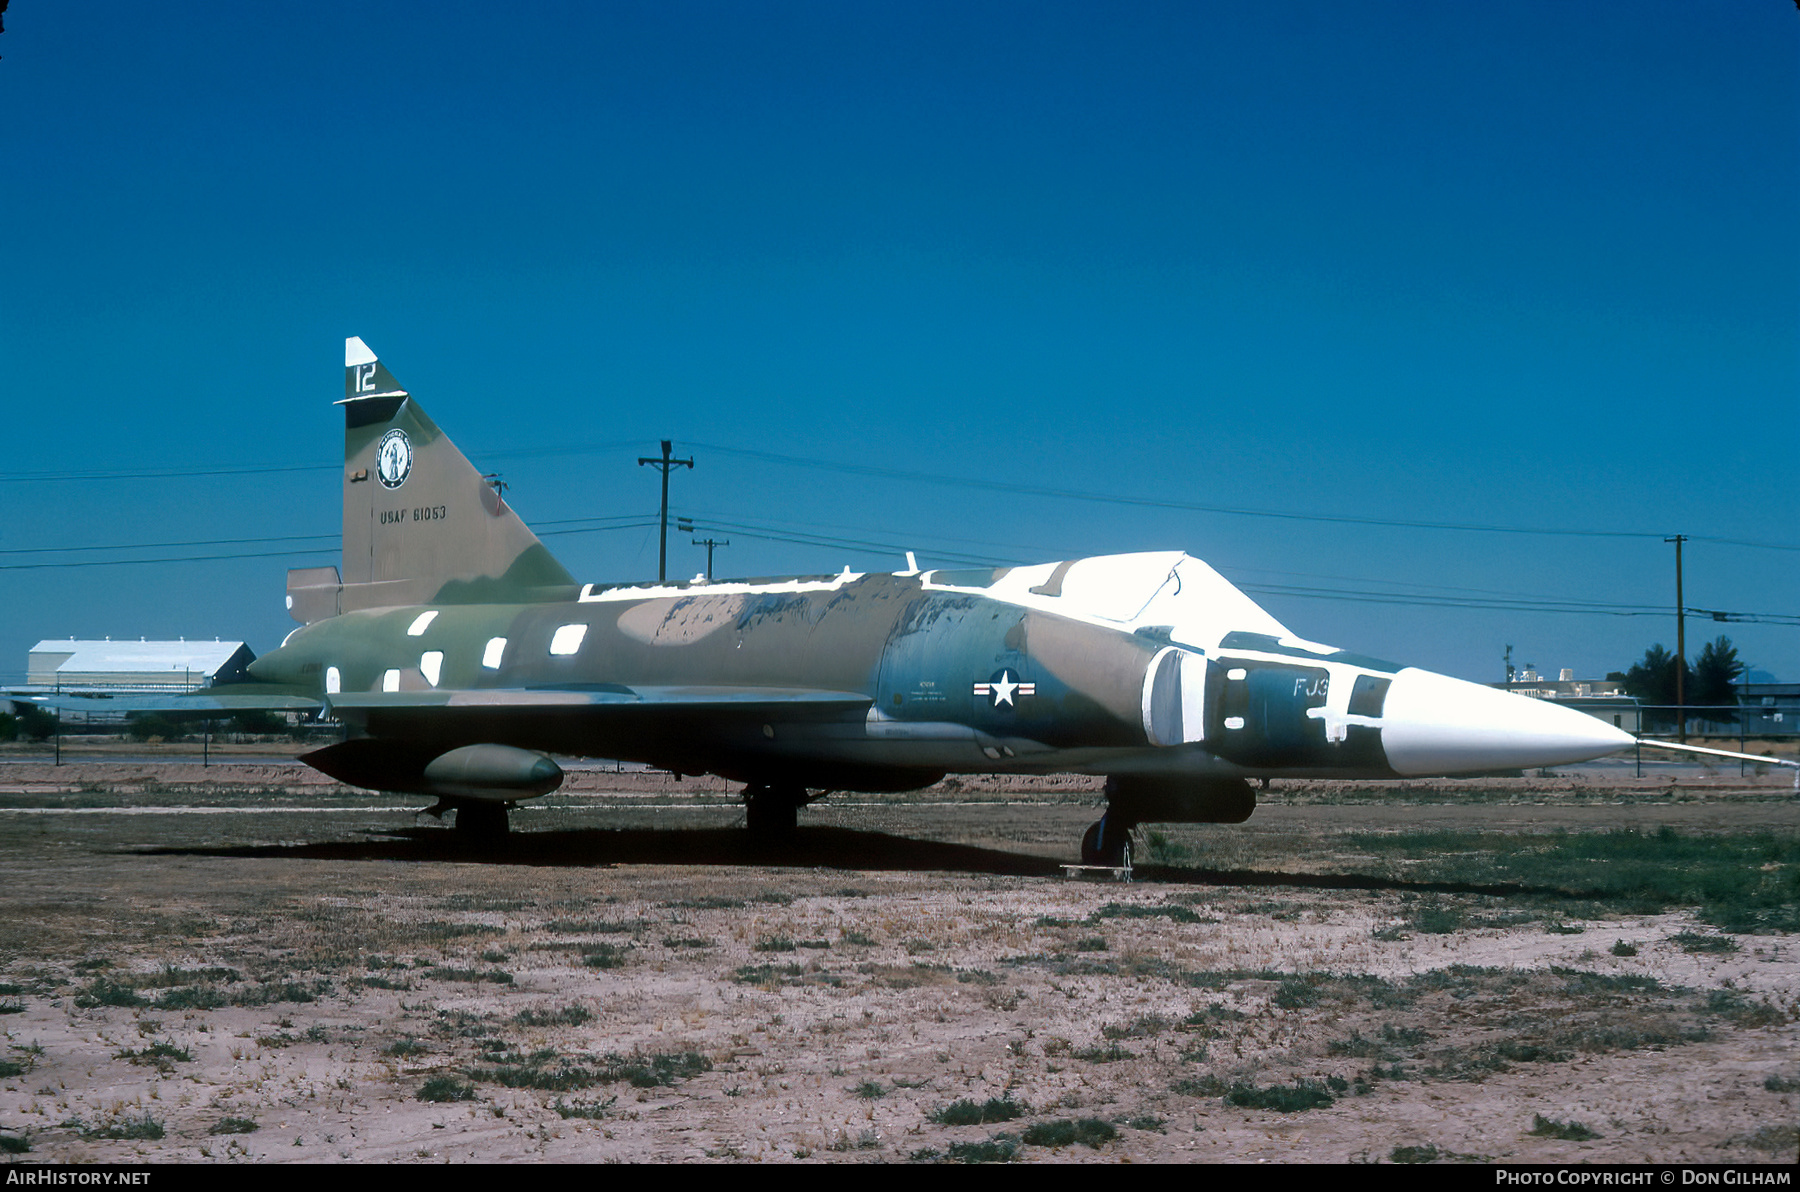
[[459, 652]]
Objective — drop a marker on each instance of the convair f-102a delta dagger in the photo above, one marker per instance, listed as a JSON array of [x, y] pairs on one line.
[[461, 656]]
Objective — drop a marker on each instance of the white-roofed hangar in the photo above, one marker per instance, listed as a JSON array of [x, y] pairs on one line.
[[119, 666]]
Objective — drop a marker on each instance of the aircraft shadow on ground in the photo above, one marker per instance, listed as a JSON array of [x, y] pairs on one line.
[[830, 848], [816, 847]]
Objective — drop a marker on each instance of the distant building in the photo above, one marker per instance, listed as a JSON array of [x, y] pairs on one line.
[[137, 666], [1603, 698], [1770, 709]]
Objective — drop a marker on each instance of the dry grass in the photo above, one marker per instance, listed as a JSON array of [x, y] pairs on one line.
[[651, 995]]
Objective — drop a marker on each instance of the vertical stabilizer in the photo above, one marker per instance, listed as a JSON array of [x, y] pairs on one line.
[[420, 523]]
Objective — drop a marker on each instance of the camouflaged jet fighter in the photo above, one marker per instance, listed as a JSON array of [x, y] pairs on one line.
[[460, 655]]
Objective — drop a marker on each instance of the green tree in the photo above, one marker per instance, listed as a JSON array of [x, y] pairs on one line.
[[37, 724], [1652, 680], [151, 726], [257, 722], [1714, 685]]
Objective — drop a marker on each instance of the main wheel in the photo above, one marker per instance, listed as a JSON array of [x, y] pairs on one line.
[[481, 821], [1106, 842], [772, 813]]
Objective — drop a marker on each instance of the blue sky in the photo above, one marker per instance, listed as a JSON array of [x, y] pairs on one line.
[[1518, 266]]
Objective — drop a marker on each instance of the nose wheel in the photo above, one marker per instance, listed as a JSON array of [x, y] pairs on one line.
[[1107, 842]]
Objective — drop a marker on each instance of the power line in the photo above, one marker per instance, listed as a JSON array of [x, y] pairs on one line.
[[1197, 507], [274, 554], [927, 478], [47, 550]]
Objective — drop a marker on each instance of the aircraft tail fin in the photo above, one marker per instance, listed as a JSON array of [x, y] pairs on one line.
[[421, 525]]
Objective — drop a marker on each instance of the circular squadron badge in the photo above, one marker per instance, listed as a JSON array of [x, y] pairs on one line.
[[393, 459]]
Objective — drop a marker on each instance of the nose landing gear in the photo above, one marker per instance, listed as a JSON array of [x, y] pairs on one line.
[[1107, 842]]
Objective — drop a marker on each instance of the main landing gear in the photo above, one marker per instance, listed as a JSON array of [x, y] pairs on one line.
[[772, 812], [481, 821], [1107, 842]]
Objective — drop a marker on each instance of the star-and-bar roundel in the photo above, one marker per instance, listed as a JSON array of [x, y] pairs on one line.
[[1004, 689]]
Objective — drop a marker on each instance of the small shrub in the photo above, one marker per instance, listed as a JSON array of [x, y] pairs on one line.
[[143, 1128], [1415, 1154], [1699, 941], [497, 976], [1110, 1054], [194, 997], [587, 1111], [1621, 948], [1544, 1127], [1282, 1098], [649, 1071], [870, 1090], [1092, 1132], [1777, 1084], [1780, 1140], [998, 1149], [965, 1112], [603, 956], [1740, 1010], [234, 1125], [280, 991], [446, 1088], [102, 992], [567, 1016], [774, 944], [163, 1056], [13, 1144], [1124, 910]]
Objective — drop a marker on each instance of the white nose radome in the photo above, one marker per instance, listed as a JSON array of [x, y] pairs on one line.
[[1435, 725]]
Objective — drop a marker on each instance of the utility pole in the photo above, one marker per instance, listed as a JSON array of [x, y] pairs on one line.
[[1680, 644], [709, 543], [686, 526], [664, 464]]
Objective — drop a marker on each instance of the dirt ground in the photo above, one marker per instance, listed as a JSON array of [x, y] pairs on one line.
[[248, 962]]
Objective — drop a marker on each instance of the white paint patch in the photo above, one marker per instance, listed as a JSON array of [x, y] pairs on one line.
[[390, 680], [1167, 589], [1300, 643], [496, 649], [334, 682], [567, 639], [431, 664], [1234, 722], [647, 591], [1237, 674], [421, 622], [357, 352], [680, 622]]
